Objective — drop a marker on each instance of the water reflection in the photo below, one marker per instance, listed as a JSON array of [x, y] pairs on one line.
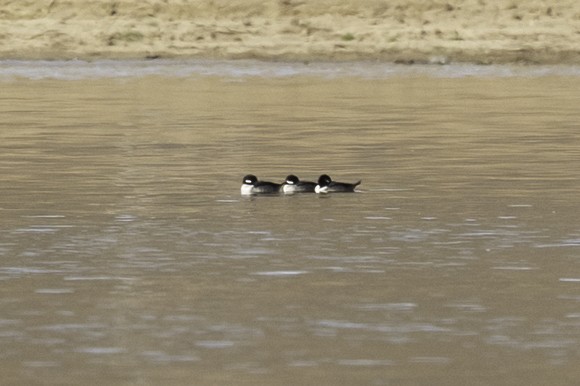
[[128, 252]]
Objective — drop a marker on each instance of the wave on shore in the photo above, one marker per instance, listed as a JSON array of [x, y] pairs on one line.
[[78, 70]]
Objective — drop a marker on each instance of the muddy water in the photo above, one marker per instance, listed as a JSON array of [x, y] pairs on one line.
[[128, 257]]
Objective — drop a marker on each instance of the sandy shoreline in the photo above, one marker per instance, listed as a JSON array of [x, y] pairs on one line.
[[402, 31]]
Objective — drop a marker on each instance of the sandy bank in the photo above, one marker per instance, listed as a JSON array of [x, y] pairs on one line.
[[479, 31]]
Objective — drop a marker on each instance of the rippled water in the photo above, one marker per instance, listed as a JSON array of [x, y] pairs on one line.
[[128, 256]]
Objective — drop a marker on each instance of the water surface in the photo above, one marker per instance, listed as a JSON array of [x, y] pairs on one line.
[[128, 256]]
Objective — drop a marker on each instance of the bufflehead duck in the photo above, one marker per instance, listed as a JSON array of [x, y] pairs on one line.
[[327, 185], [293, 185], [251, 185]]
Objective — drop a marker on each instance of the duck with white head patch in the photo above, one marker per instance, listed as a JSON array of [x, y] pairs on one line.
[[327, 185], [293, 184], [251, 185]]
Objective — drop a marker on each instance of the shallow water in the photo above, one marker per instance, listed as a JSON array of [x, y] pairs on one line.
[[128, 256]]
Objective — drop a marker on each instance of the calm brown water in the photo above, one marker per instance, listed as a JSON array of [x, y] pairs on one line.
[[128, 257]]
